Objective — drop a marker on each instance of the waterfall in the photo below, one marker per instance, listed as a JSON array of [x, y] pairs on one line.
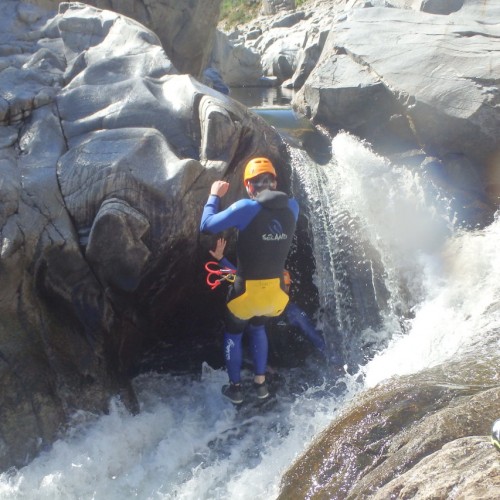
[[372, 224], [399, 290]]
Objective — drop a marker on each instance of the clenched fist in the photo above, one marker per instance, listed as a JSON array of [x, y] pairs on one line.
[[219, 188]]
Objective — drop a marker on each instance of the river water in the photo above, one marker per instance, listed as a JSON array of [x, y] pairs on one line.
[[187, 443]]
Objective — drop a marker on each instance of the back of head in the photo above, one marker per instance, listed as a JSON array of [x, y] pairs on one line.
[[259, 175]]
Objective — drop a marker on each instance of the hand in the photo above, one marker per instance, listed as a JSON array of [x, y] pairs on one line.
[[218, 253], [219, 188]]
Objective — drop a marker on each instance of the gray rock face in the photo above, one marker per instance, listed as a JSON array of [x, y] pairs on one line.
[[185, 29], [420, 436], [106, 159], [286, 46], [280, 55], [274, 6], [441, 474], [364, 84], [238, 64], [392, 94]]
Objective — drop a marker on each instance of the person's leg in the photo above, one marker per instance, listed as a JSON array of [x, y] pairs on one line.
[[234, 327], [259, 347], [233, 355]]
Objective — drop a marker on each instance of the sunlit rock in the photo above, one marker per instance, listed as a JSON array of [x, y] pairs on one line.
[[447, 107], [279, 57], [307, 58], [238, 65], [274, 6], [185, 29], [106, 159], [413, 436]]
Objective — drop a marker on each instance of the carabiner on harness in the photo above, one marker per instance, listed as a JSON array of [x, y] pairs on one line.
[[225, 274]]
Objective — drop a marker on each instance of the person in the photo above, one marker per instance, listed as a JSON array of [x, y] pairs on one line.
[[266, 224], [293, 315]]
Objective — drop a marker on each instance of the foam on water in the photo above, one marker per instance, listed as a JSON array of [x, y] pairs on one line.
[[462, 305], [187, 442]]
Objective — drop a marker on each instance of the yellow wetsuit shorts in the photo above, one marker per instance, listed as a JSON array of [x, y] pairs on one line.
[[260, 298]]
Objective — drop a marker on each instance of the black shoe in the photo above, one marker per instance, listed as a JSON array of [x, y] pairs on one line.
[[261, 390], [233, 392]]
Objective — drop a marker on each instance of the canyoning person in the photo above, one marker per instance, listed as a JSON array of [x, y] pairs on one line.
[[266, 224], [293, 316]]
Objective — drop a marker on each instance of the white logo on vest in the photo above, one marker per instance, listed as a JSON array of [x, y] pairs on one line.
[[275, 232]]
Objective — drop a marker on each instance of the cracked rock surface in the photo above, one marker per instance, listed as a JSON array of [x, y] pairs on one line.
[[106, 158]]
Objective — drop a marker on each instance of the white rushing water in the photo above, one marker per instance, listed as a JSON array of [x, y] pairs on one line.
[[187, 443]]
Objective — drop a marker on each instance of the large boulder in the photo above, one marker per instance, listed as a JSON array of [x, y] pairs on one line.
[[419, 436], [307, 57], [280, 55], [379, 90], [238, 65], [289, 46], [106, 157], [185, 29]]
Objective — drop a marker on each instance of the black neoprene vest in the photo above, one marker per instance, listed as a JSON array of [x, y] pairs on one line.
[[264, 244]]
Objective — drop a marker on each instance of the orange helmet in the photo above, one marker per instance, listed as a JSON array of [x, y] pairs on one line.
[[258, 166]]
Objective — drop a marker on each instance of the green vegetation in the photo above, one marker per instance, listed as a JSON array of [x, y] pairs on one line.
[[234, 12]]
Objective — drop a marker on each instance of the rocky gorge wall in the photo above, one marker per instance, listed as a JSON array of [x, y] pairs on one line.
[[185, 29], [418, 80], [106, 157]]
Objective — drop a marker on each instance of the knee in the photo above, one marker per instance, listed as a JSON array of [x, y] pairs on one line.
[[233, 324]]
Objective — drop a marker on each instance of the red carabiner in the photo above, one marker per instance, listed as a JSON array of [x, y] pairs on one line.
[[225, 274]]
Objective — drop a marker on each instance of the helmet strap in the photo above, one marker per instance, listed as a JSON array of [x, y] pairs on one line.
[[250, 189]]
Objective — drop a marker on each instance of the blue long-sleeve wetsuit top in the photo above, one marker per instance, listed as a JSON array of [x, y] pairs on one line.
[[265, 226]]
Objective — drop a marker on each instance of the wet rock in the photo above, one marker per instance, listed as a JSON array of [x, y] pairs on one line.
[[466, 468], [398, 435], [106, 159]]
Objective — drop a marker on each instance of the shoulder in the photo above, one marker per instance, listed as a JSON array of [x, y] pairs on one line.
[[245, 204], [242, 212], [245, 207]]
